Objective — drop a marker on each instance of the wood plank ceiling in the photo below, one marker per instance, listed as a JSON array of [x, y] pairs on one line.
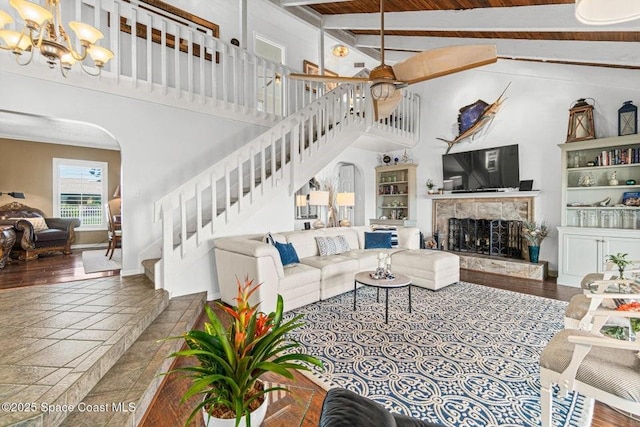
[[539, 30]]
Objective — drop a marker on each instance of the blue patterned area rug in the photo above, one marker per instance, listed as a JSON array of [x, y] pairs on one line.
[[467, 355]]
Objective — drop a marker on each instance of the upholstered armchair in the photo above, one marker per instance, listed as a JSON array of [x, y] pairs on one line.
[[36, 234]]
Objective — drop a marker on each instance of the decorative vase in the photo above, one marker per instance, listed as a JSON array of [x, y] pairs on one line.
[[534, 252], [257, 417]]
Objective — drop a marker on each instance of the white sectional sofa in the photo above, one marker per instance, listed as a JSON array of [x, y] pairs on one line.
[[320, 277]]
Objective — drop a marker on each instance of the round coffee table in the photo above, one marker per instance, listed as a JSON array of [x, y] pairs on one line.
[[364, 278]]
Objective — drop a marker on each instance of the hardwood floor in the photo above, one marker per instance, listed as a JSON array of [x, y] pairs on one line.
[[166, 409], [47, 269]]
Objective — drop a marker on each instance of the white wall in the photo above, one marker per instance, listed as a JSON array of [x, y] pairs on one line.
[[271, 21], [534, 116], [164, 146], [161, 146]]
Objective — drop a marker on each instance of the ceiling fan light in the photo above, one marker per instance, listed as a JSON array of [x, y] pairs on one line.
[[31, 12], [605, 12], [381, 91], [5, 19]]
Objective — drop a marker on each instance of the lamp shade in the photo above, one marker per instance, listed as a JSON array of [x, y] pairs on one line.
[[301, 200], [31, 12], [605, 12], [116, 194], [85, 32], [346, 199], [319, 198], [100, 55], [15, 40], [5, 19]]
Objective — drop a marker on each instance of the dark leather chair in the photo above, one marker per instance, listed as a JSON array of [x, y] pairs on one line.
[[32, 236], [344, 408]]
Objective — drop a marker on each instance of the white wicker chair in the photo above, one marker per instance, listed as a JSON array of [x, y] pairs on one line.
[[603, 368]]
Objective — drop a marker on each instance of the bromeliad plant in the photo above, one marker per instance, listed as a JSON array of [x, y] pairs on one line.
[[534, 232], [233, 359]]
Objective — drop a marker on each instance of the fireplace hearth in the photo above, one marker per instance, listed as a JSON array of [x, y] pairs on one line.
[[494, 237]]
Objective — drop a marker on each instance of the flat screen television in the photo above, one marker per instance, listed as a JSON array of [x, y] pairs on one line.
[[486, 169]]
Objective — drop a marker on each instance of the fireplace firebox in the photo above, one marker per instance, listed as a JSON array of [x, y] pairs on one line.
[[495, 237]]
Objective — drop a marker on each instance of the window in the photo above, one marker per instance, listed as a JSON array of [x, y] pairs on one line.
[[80, 191]]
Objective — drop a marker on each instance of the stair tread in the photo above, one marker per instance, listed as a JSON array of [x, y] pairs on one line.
[[149, 263], [134, 379], [87, 348]]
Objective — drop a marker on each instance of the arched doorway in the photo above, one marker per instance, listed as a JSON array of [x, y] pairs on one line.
[[65, 168]]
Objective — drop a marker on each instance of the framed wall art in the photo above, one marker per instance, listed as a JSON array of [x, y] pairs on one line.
[[311, 68]]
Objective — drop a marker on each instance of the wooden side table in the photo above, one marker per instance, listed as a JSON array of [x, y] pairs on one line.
[[7, 239]]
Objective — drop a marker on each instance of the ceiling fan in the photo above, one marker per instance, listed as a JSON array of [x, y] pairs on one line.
[[387, 81]]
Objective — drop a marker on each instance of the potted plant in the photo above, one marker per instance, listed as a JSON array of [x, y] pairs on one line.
[[620, 260], [430, 186], [535, 234], [233, 359]]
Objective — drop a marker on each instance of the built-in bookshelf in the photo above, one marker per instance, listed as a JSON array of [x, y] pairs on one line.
[[600, 212]]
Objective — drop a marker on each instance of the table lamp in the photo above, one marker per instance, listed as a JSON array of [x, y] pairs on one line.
[[347, 200], [319, 199]]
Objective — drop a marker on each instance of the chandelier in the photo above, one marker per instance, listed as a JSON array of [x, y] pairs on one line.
[[43, 31]]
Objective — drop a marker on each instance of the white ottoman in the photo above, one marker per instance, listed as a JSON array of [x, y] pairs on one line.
[[427, 268]]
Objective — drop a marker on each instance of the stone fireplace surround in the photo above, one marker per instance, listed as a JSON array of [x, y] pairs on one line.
[[517, 205]]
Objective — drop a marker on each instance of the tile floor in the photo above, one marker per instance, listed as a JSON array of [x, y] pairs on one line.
[[58, 341]]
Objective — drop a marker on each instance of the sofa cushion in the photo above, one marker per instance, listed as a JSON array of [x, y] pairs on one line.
[[304, 242], [349, 233], [288, 253], [332, 245], [298, 275], [391, 229], [50, 234], [377, 240], [332, 265]]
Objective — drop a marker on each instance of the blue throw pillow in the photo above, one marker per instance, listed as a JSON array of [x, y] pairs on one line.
[[377, 240], [288, 253]]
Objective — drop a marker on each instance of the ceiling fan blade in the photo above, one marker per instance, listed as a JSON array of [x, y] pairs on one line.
[[383, 108], [327, 79], [440, 62]]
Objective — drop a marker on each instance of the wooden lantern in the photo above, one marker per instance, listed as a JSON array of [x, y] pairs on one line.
[[627, 119], [581, 125]]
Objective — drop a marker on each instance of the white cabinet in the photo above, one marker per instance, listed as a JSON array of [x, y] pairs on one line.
[[584, 251], [396, 195], [597, 177]]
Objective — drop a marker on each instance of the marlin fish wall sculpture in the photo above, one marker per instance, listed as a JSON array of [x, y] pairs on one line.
[[473, 117]]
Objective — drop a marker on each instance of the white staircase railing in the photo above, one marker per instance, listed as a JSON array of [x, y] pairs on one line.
[[281, 159], [203, 73], [166, 59]]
